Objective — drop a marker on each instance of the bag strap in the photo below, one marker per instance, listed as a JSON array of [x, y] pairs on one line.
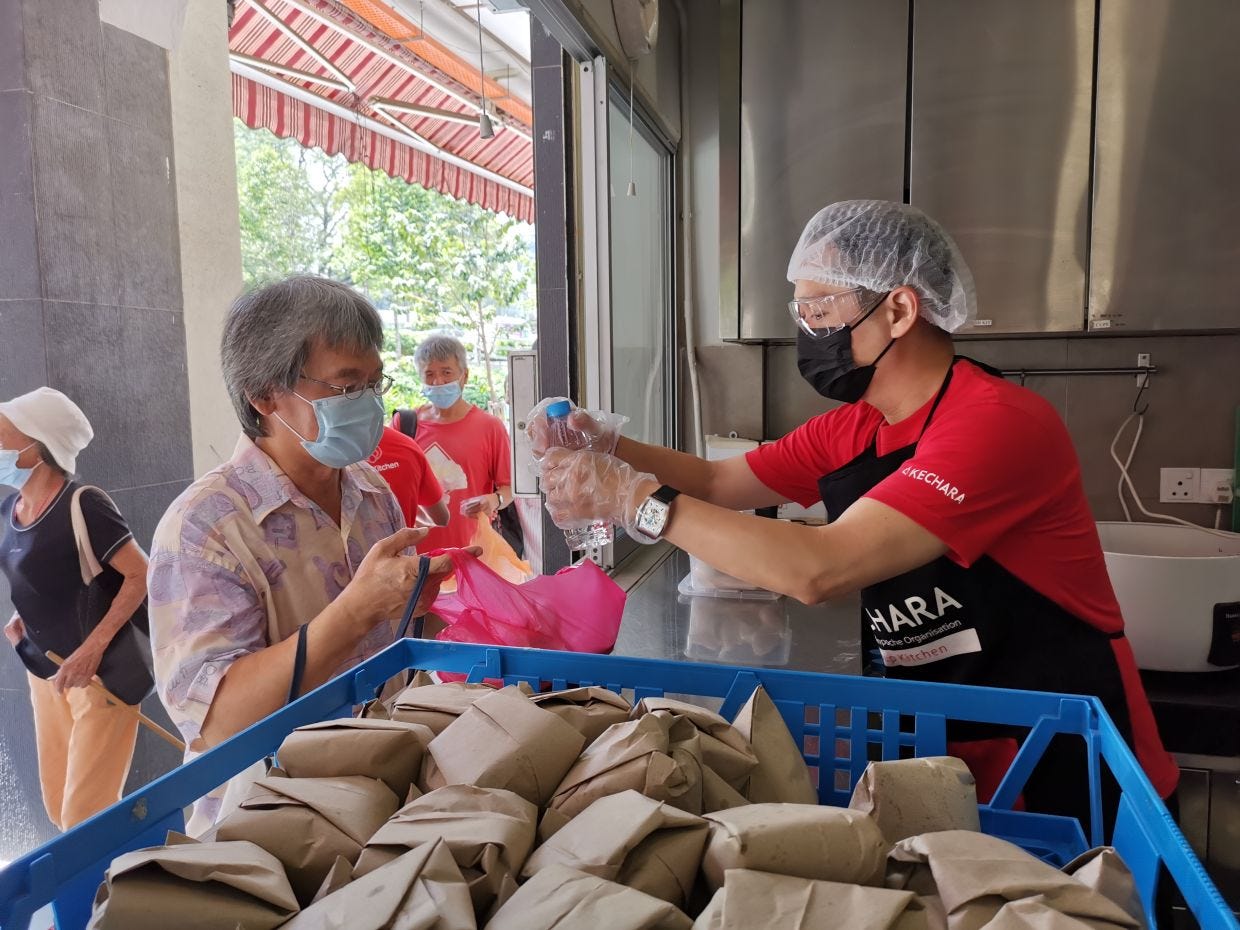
[[299, 660], [424, 569], [299, 665], [87, 563]]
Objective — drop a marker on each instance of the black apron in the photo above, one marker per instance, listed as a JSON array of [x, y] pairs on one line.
[[981, 625]]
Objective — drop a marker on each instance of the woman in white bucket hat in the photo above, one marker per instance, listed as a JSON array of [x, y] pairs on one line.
[[85, 744]]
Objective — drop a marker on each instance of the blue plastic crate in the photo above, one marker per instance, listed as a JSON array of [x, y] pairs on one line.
[[836, 719]]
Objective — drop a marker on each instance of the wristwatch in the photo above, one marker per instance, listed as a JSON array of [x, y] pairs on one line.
[[654, 512]]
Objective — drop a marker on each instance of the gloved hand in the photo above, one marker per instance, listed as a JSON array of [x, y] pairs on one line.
[[582, 487], [595, 430]]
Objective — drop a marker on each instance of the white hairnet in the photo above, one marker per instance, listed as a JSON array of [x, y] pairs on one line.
[[880, 245]]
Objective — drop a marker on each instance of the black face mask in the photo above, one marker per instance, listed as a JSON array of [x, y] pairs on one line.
[[827, 364]]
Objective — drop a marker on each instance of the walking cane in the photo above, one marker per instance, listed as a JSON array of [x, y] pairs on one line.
[[142, 718]]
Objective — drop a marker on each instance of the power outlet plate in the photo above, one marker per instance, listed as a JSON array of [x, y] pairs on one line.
[[1178, 485], [1216, 486]]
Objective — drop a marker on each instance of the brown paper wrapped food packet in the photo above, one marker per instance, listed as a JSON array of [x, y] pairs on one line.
[[341, 874], [750, 899], [629, 756], [723, 747], [803, 840], [504, 740], [908, 797], [568, 899], [489, 832], [434, 705], [983, 881], [307, 822], [781, 775], [421, 890], [590, 710], [706, 791], [194, 886], [388, 750], [1105, 872], [630, 839]]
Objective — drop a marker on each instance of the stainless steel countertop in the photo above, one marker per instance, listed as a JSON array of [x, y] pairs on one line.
[[660, 623]]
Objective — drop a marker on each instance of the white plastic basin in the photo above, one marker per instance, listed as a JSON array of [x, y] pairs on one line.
[[1169, 580]]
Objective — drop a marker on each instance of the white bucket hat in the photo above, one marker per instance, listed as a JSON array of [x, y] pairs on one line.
[[47, 416]]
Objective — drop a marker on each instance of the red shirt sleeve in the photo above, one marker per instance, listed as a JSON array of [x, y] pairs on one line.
[[791, 466], [981, 472], [501, 466]]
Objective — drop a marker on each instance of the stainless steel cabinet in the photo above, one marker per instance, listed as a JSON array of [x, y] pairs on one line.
[[1166, 222], [823, 94], [1000, 150]]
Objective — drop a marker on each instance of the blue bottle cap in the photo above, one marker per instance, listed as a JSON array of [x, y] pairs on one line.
[[561, 408]]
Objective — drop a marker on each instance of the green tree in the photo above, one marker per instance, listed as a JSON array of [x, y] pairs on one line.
[[290, 206], [437, 263]]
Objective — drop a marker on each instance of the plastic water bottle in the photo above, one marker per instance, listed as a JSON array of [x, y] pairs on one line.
[[592, 535]]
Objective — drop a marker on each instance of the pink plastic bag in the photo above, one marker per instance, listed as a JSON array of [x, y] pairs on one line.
[[577, 609]]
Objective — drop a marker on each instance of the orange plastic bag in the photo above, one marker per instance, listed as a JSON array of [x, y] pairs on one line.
[[497, 555]]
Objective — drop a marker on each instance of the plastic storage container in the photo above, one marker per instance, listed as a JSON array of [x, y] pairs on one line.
[[705, 581], [840, 722], [739, 631]]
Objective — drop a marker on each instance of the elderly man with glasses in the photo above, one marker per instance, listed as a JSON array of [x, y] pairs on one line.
[[295, 530]]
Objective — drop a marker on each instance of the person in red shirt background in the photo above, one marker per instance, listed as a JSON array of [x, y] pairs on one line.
[[954, 498], [402, 463], [467, 448]]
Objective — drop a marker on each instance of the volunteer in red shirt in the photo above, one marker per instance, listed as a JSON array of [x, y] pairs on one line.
[[955, 498], [467, 448], [402, 463]]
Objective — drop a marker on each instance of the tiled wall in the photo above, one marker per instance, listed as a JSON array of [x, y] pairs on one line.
[[90, 285], [90, 298]]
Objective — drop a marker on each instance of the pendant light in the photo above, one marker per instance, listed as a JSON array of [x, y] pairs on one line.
[[485, 129]]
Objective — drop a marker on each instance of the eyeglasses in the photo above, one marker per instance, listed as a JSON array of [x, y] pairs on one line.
[[820, 317], [354, 391]]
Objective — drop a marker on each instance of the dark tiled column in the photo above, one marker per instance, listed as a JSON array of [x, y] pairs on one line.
[[90, 296], [90, 286]]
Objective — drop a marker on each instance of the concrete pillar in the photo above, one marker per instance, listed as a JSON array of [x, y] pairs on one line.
[[206, 180]]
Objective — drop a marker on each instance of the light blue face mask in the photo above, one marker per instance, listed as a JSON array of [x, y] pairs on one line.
[[10, 474], [349, 428], [443, 396]]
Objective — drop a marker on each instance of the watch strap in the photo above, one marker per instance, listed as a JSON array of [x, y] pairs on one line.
[[666, 494]]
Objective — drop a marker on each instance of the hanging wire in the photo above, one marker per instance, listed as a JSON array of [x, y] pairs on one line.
[[1142, 386], [632, 191], [485, 129]]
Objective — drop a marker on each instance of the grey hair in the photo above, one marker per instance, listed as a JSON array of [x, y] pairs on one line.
[[439, 347], [270, 331]]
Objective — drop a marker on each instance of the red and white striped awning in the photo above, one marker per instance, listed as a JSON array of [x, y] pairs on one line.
[[314, 71]]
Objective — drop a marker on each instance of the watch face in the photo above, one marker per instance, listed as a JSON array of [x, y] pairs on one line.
[[652, 517]]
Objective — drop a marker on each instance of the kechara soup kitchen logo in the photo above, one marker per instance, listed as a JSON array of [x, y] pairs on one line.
[[936, 481]]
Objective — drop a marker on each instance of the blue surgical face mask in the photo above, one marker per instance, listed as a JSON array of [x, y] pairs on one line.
[[10, 474], [443, 396], [349, 428]]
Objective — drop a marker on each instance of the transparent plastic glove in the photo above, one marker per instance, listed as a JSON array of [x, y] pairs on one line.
[[592, 430], [583, 487]]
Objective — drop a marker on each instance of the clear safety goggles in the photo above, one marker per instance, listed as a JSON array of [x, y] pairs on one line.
[[820, 317]]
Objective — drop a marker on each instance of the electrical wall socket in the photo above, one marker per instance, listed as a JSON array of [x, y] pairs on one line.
[[1178, 485], [1216, 486]]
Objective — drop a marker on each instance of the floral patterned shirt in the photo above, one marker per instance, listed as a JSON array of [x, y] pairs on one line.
[[241, 560]]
